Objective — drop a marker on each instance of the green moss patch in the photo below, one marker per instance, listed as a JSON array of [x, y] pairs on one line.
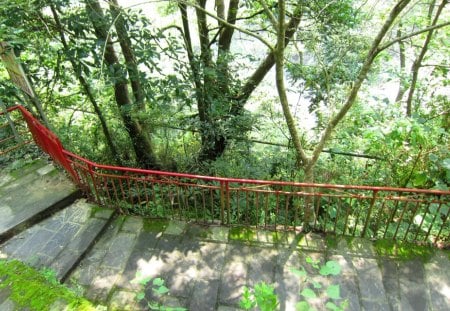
[[403, 251], [23, 167], [155, 225], [37, 290], [242, 234], [331, 241], [198, 232]]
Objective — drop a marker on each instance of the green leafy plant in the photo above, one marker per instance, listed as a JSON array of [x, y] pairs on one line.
[[314, 289], [159, 289], [263, 296]]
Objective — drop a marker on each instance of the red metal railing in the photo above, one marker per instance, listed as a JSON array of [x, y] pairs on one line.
[[414, 215], [10, 138]]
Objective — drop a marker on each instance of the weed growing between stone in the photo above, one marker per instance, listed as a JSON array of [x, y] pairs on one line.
[[158, 289], [264, 298], [316, 290]]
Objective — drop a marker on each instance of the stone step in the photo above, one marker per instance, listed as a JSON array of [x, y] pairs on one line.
[[31, 193], [437, 280], [60, 241]]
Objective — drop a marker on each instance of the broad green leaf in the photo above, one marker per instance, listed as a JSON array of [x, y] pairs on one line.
[[344, 305], [145, 281], [331, 306], [303, 306], [316, 284], [140, 296], [446, 163], [420, 179], [331, 267], [334, 292], [158, 282], [265, 296], [308, 293], [161, 290], [300, 273], [247, 301], [154, 306], [312, 262]]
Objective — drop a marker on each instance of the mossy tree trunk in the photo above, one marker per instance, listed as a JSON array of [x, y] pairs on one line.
[[139, 137]]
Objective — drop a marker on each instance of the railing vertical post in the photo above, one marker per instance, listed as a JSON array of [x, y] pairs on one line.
[[227, 202], [438, 211], [10, 122], [369, 213], [91, 173], [224, 201], [444, 221]]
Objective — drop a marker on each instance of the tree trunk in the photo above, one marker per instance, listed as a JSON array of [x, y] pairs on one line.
[[140, 140], [128, 54], [213, 83], [86, 88], [418, 61], [303, 161], [402, 59]]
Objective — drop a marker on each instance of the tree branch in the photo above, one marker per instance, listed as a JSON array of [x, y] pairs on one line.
[[269, 14], [259, 74], [371, 55], [226, 23], [410, 35], [227, 33]]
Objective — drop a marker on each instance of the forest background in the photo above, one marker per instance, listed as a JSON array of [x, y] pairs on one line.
[[349, 91]]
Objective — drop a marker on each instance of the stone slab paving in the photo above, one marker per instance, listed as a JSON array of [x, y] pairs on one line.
[[203, 267], [206, 268], [60, 241], [30, 193]]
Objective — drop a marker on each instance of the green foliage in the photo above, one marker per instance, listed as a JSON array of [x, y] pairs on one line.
[[159, 291], [263, 297], [314, 289], [322, 64], [403, 251]]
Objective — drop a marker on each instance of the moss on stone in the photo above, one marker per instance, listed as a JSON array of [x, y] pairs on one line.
[[242, 234], [331, 241], [23, 167], [403, 250], [96, 209], [35, 290], [155, 225]]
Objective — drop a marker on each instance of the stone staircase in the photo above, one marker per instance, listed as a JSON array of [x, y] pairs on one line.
[[45, 223], [31, 193]]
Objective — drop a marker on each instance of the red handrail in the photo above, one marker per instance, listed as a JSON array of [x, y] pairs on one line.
[[47, 141], [367, 211]]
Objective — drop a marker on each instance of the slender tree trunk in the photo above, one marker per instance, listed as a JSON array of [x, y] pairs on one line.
[[307, 163], [418, 61], [402, 59], [140, 140], [86, 88], [303, 161], [193, 63], [371, 55], [128, 53], [214, 88], [258, 75]]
